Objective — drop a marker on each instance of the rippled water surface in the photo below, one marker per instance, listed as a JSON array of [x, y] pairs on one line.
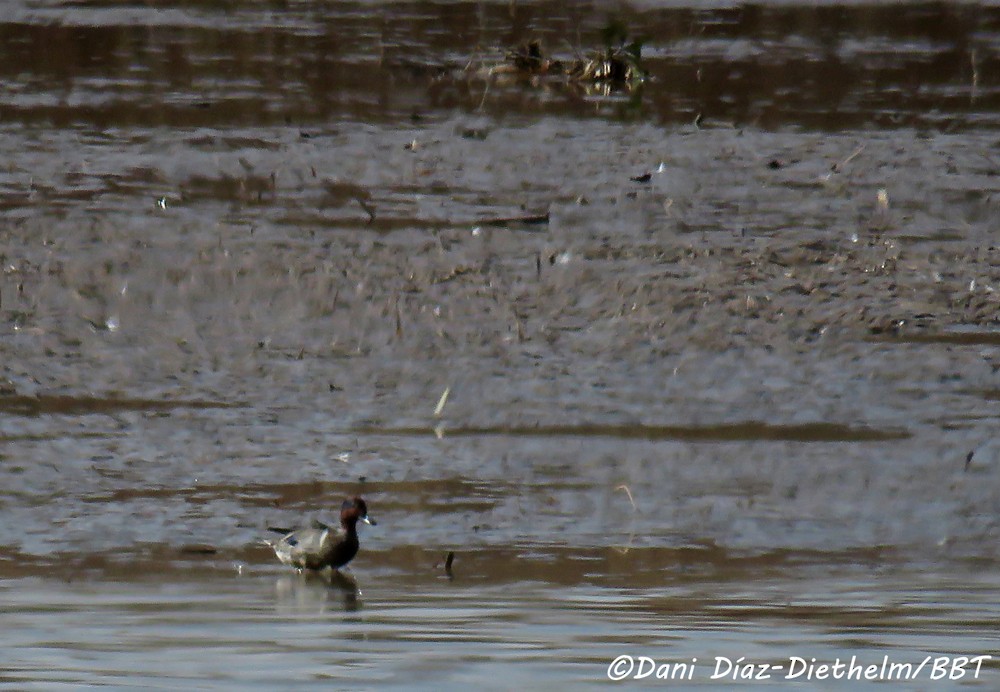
[[283, 631], [695, 368]]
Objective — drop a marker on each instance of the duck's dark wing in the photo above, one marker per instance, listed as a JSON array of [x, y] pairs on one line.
[[319, 526], [281, 530]]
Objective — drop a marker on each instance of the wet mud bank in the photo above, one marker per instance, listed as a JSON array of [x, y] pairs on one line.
[[780, 332]]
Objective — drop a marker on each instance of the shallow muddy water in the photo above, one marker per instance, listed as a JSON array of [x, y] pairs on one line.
[[705, 367]]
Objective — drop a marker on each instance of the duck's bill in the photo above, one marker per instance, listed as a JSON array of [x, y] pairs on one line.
[[370, 522]]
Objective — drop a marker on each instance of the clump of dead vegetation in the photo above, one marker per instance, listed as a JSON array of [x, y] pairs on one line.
[[619, 63]]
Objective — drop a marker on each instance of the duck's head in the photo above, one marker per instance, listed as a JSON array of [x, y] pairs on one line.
[[353, 510]]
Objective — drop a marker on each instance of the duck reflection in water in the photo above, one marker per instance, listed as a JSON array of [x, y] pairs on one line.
[[314, 592]]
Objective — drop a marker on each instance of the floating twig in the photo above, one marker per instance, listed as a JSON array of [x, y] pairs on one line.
[[837, 167], [629, 493], [369, 209], [441, 402], [974, 91], [399, 321]]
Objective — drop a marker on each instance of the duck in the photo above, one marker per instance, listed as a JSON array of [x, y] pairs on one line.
[[320, 546]]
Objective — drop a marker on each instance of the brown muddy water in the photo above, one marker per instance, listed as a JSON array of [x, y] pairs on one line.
[[698, 370]]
